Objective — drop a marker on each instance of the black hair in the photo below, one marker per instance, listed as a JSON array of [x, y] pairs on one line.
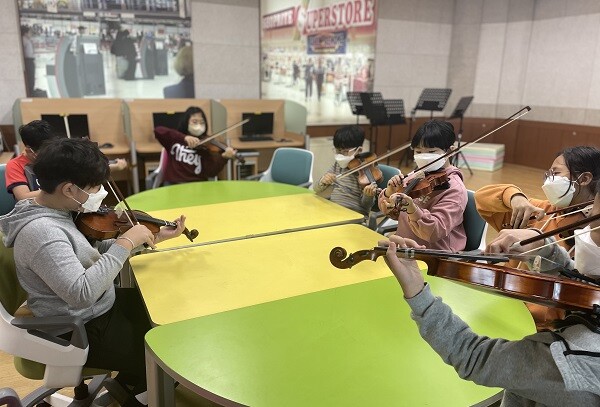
[[434, 134], [183, 125], [35, 133], [76, 160], [349, 137], [582, 159], [25, 29]]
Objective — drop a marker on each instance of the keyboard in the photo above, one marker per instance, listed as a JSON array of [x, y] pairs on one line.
[[256, 138]]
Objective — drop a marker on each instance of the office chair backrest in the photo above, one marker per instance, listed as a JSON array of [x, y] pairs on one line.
[[291, 166], [475, 226], [12, 296], [7, 201], [155, 178], [388, 172]]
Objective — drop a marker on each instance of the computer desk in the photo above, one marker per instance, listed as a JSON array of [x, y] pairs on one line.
[[270, 322], [266, 148]]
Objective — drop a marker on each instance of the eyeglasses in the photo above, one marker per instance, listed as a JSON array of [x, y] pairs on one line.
[[549, 175], [344, 151]]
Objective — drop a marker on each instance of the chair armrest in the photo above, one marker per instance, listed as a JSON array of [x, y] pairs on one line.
[[38, 325], [9, 398], [253, 177], [372, 219], [305, 184]]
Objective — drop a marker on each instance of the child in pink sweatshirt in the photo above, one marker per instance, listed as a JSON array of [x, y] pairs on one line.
[[434, 220]]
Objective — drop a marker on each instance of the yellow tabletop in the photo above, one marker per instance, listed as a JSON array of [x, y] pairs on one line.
[[188, 283], [256, 217]]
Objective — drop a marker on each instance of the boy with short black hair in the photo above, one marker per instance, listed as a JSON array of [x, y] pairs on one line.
[[65, 275], [347, 191], [19, 177]]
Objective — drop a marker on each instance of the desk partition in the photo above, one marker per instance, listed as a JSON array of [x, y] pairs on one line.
[[105, 118]]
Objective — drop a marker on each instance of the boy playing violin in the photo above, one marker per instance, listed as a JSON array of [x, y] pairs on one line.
[[435, 220], [560, 368], [347, 143], [64, 275], [19, 176]]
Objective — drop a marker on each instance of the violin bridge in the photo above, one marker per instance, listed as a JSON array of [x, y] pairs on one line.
[[536, 265]]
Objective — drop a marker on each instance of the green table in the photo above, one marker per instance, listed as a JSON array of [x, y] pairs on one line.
[[348, 346], [209, 192]]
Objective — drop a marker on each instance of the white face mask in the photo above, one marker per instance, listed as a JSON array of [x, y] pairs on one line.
[[92, 204], [196, 129], [559, 191], [343, 160], [426, 158]]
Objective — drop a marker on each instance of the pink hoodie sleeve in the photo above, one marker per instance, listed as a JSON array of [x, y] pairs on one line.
[[443, 216]]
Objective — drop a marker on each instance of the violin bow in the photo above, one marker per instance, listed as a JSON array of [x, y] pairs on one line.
[[117, 193], [577, 206], [559, 230], [209, 138], [452, 153], [368, 164]]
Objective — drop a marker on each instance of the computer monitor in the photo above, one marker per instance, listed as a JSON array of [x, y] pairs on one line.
[[170, 119], [260, 123], [78, 124]]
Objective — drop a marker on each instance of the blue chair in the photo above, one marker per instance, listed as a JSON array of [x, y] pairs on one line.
[[292, 166], [388, 172], [7, 201], [475, 226]]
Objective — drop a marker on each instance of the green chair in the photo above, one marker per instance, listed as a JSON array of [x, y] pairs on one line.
[[289, 166], [39, 355], [7, 201]]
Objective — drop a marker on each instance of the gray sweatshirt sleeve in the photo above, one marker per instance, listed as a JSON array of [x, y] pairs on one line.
[[525, 366], [56, 263]]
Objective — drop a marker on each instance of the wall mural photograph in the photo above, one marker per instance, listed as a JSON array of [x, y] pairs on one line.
[[314, 51], [107, 48]]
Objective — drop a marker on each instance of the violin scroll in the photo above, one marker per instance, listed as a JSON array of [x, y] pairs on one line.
[[338, 254]]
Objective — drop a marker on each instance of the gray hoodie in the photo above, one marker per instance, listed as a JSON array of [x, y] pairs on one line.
[[62, 273], [543, 369]]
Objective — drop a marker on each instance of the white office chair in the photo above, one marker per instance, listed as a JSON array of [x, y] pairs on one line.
[[155, 178], [289, 166], [39, 355]]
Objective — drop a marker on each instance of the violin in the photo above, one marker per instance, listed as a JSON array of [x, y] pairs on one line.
[[215, 146], [419, 187], [543, 289], [367, 174], [108, 223]]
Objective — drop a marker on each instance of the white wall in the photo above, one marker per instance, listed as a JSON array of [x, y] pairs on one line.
[[225, 34], [12, 82]]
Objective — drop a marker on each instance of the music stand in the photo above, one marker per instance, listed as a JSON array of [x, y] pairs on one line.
[[356, 104], [394, 109], [374, 109], [459, 112], [432, 99]]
